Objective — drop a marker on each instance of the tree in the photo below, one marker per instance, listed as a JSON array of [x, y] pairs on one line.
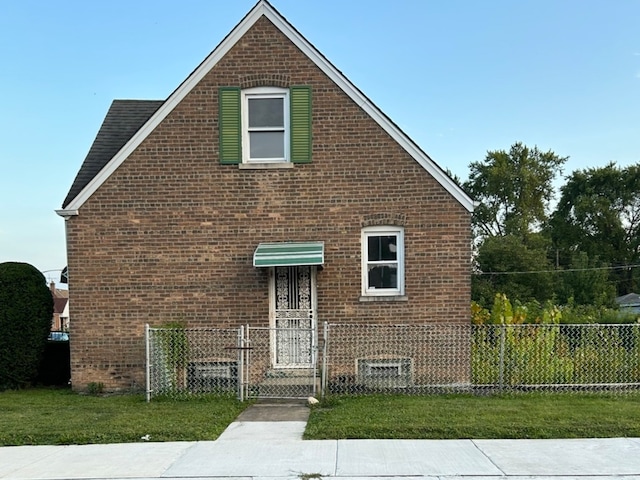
[[599, 215], [585, 282], [513, 189], [26, 308], [504, 263]]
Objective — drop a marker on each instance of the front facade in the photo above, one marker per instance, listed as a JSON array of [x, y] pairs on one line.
[[266, 190]]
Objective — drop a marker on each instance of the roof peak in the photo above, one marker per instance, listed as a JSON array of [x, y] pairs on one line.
[[78, 196]]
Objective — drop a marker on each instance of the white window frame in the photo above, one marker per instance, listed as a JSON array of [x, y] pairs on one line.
[[264, 92], [377, 232]]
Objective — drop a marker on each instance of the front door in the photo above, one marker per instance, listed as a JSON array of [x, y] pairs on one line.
[[293, 323]]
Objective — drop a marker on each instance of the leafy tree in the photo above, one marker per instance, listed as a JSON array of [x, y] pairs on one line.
[[599, 215], [504, 263], [26, 308], [513, 189], [585, 282]]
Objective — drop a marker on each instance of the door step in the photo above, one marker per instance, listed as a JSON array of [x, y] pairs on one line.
[[293, 383]]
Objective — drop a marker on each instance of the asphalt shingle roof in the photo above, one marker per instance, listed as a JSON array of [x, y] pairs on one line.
[[59, 304], [123, 120], [629, 299]]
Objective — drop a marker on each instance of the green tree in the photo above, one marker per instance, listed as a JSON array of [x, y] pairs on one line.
[[26, 309], [513, 190], [505, 263], [585, 282], [599, 215]]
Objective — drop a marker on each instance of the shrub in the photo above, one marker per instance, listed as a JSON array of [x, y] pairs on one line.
[[174, 344], [95, 388], [26, 309]]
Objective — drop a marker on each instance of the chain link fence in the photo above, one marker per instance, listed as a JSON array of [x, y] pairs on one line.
[[182, 362], [355, 359], [360, 359], [556, 357]]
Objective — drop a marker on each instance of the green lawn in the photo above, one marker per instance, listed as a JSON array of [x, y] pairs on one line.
[[531, 415], [60, 417], [55, 417]]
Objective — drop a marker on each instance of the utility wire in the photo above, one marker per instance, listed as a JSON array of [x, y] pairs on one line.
[[620, 267]]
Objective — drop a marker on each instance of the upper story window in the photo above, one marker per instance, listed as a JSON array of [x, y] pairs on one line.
[[265, 125], [382, 261]]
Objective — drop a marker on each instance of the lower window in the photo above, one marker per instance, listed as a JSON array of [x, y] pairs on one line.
[[383, 261]]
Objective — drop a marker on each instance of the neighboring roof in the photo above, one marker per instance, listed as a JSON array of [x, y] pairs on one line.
[[123, 120], [93, 176], [61, 293], [628, 299], [59, 304], [58, 292]]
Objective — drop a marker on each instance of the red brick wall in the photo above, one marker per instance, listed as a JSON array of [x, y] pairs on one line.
[[170, 235]]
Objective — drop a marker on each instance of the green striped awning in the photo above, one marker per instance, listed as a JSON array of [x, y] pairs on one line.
[[288, 254]]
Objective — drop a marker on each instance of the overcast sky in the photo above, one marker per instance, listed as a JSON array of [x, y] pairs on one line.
[[459, 77]]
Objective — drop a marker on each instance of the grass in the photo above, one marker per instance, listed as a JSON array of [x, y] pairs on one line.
[[62, 417], [531, 415]]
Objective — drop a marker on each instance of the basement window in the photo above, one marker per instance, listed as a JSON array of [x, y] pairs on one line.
[[384, 372]]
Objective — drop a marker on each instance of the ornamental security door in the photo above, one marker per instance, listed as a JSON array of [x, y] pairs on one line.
[[292, 316]]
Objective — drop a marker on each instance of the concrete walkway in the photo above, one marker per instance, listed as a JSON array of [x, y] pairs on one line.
[[265, 442]]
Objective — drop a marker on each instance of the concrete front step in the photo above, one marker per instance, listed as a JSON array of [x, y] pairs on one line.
[[290, 383]]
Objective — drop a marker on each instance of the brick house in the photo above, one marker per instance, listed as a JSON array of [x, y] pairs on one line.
[[266, 188], [60, 320]]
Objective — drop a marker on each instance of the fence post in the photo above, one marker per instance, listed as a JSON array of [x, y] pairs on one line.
[[240, 343], [323, 380], [501, 366], [147, 349]]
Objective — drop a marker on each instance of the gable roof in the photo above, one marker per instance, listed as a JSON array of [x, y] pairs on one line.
[[630, 299], [123, 120], [100, 167], [59, 305]]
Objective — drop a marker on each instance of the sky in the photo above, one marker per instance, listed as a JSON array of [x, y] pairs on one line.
[[460, 77]]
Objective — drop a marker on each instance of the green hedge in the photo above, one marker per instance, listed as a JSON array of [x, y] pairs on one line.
[[26, 310]]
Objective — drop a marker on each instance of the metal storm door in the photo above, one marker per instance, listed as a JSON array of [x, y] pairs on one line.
[[293, 322]]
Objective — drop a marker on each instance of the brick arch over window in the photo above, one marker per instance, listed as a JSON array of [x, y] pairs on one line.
[[265, 80], [379, 219]]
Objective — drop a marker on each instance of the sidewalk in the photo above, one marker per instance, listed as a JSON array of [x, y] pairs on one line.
[[255, 448]]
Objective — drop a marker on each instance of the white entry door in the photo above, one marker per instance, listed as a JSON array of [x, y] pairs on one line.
[[293, 322]]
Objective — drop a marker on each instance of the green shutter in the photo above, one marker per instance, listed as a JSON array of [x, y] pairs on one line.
[[300, 110], [230, 127]]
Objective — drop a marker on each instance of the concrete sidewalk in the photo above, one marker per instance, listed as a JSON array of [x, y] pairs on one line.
[[251, 448]]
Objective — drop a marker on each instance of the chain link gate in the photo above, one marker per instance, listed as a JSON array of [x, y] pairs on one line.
[[279, 362]]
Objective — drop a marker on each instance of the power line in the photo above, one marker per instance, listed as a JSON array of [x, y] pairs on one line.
[[566, 270]]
